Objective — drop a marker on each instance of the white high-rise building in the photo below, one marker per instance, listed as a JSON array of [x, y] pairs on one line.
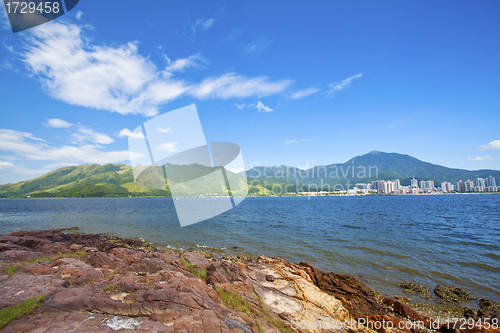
[[414, 183], [480, 182], [469, 186], [492, 182], [447, 187], [427, 185]]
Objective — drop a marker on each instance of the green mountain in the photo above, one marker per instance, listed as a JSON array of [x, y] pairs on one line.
[[361, 169], [117, 180]]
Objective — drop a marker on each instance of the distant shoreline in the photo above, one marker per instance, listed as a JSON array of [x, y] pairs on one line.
[[276, 196]]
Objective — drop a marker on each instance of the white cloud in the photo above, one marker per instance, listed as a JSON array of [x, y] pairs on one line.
[[257, 47], [127, 132], [262, 108], [202, 24], [480, 158], [335, 87], [236, 171], [180, 65], [84, 134], [492, 145], [57, 123], [164, 130], [168, 146], [26, 145], [290, 141], [79, 14], [77, 73], [5, 164], [259, 106], [231, 85], [205, 25], [117, 78], [304, 93]]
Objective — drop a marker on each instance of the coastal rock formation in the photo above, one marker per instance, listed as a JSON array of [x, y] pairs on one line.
[[98, 283], [356, 296]]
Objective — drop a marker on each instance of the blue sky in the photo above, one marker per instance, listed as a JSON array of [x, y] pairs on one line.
[[291, 83]]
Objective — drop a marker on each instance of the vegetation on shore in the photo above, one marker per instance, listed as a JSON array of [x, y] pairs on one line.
[[19, 310], [234, 301], [12, 269], [200, 273]]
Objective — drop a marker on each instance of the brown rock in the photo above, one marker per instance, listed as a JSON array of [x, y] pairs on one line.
[[129, 255], [25, 241], [358, 299], [75, 247], [195, 259], [59, 321], [270, 278], [220, 272], [19, 255], [22, 286], [75, 271], [104, 260], [405, 311], [38, 268], [169, 259], [146, 266], [11, 246]]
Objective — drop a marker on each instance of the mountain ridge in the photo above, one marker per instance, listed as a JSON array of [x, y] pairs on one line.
[[95, 180], [369, 167]]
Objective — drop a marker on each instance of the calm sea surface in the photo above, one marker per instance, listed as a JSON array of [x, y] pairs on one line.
[[384, 240]]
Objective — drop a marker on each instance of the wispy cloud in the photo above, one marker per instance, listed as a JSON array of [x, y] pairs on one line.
[[259, 106], [304, 93], [168, 146], [84, 134], [164, 130], [127, 133], [181, 65], [232, 85], [79, 14], [202, 25], [205, 25], [490, 146], [4, 164], [256, 47], [26, 145], [262, 108], [80, 133], [480, 158], [57, 123], [290, 141], [118, 79], [336, 87]]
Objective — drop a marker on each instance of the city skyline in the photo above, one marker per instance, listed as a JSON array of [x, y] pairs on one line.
[[428, 186]]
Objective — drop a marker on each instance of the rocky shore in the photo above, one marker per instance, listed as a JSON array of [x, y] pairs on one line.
[[51, 281]]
